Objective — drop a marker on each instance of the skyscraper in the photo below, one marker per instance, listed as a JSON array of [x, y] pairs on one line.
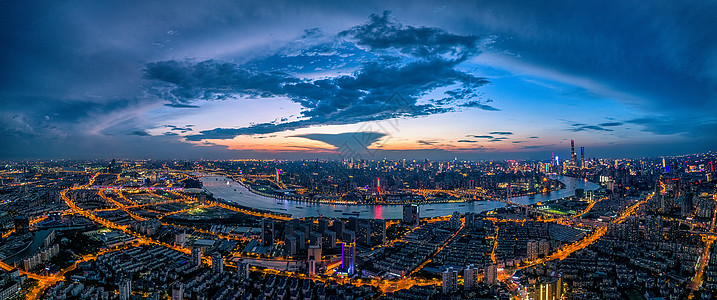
[[267, 232], [490, 275], [582, 157], [323, 225], [450, 280], [125, 289], [314, 255], [410, 215], [22, 224], [217, 263], [470, 277], [653, 228], [364, 233], [243, 269], [178, 291], [573, 156], [196, 256], [549, 288], [179, 239], [348, 258], [290, 245], [532, 250]]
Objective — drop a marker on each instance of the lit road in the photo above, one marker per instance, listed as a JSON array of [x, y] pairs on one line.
[[705, 256], [597, 233], [101, 192]]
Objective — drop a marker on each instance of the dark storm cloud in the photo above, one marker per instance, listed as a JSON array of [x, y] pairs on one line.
[[177, 128], [349, 140], [139, 133], [56, 117], [481, 136], [691, 127], [589, 127], [383, 32], [577, 127], [535, 146], [181, 105], [501, 132], [378, 90], [610, 124], [476, 104], [426, 143]]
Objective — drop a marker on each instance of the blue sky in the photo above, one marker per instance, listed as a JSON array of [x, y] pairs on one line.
[[471, 80]]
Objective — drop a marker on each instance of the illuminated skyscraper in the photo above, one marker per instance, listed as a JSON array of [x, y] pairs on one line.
[[348, 258], [582, 157], [550, 288]]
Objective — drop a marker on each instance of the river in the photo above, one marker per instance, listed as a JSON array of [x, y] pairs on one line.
[[237, 193]]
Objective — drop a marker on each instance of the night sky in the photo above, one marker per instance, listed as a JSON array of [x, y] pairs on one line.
[[369, 79]]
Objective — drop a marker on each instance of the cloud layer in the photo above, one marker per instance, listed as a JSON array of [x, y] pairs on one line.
[[104, 78], [408, 63]]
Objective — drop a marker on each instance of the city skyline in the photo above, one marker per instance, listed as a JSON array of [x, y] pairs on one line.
[[485, 80]]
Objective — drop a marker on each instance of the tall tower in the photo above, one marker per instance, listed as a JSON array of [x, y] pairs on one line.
[[348, 258], [450, 280], [573, 157], [217, 263], [178, 291], [582, 157], [243, 269], [125, 289], [267, 232]]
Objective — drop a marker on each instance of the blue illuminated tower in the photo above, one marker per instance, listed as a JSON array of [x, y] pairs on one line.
[[348, 262]]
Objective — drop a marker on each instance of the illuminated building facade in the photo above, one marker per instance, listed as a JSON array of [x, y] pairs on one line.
[[348, 259], [549, 288]]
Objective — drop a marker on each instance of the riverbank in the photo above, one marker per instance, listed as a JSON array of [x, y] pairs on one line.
[[341, 202], [236, 193]]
